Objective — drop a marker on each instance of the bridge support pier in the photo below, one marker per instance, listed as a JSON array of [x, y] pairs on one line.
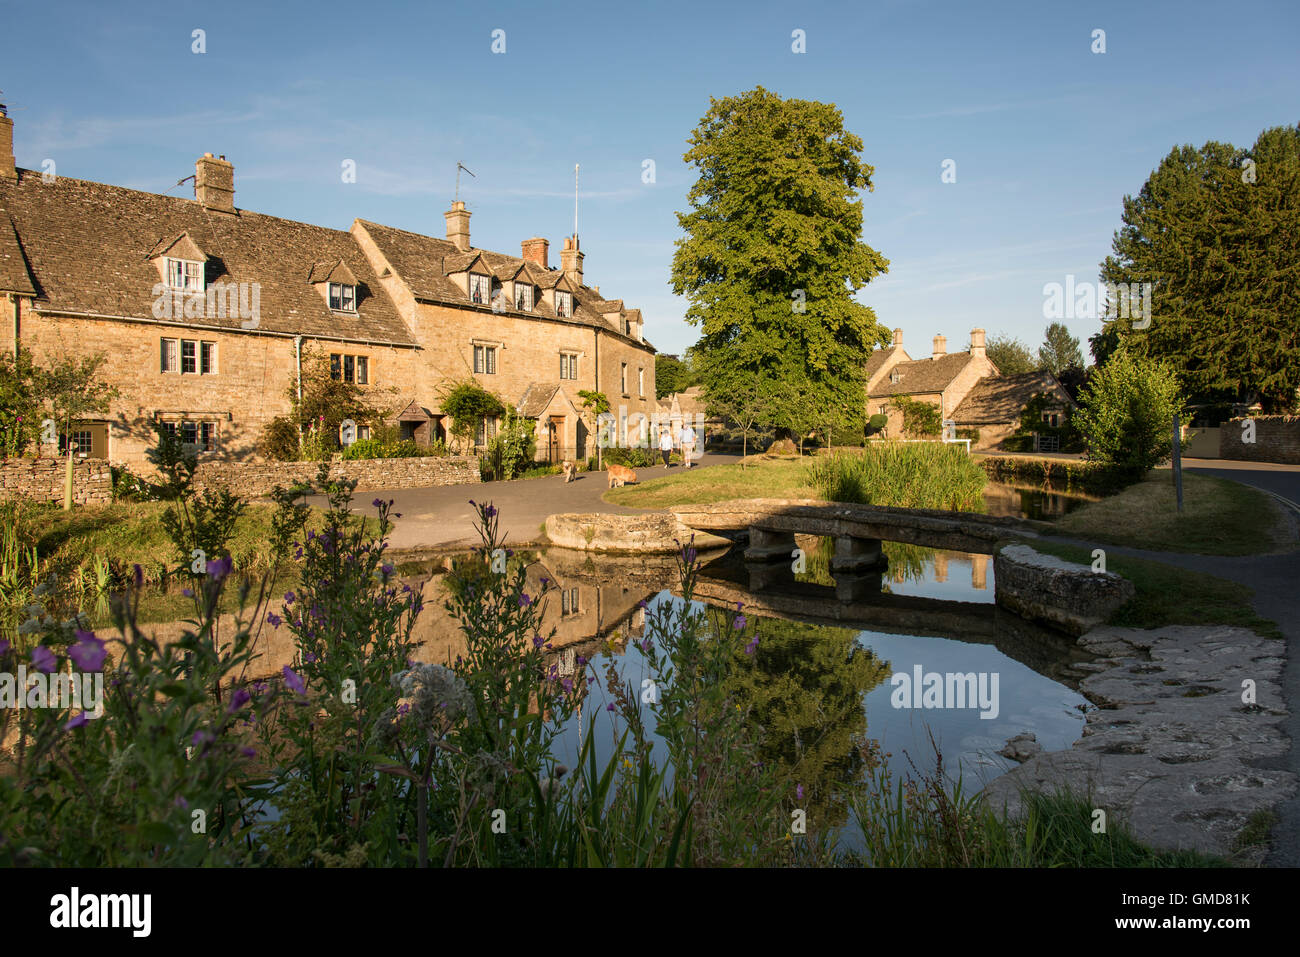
[[769, 546]]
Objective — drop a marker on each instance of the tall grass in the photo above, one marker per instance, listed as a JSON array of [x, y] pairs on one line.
[[912, 475]]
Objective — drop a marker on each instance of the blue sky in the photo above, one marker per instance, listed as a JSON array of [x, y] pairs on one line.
[[1047, 136]]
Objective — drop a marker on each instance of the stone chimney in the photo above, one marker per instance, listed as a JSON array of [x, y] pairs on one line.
[[537, 251], [458, 225], [898, 338], [214, 183], [977, 343], [571, 260], [7, 169], [940, 347]]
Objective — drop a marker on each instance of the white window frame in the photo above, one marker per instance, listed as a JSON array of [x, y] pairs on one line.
[[363, 370], [640, 381], [185, 274], [169, 362], [622, 377], [346, 297], [208, 347], [563, 303]]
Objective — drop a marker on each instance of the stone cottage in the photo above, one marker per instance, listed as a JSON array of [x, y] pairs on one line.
[[204, 312]]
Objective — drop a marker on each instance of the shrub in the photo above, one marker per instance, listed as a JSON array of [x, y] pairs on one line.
[[401, 449], [633, 458], [511, 451], [1126, 412], [903, 475], [279, 440], [129, 487]]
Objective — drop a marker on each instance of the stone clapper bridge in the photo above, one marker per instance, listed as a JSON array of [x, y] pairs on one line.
[[1066, 596]]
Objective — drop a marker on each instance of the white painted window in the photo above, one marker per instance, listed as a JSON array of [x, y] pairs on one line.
[[568, 365], [640, 382], [563, 303], [485, 360], [622, 378], [185, 274], [169, 360], [343, 297], [524, 297]]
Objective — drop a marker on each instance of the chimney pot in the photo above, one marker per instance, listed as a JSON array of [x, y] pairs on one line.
[[977, 342], [898, 338], [940, 347]]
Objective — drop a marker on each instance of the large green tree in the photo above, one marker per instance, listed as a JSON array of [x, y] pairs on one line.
[[1060, 350], [773, 256], [1010, 355], [1216, 231], [671, 375]]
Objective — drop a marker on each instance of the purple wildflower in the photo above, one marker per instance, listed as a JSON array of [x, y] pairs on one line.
[[538, 641], [273, 619], [240, 698], [292, 681], [44, 659], [377, 502], [202, 736], [739, 623], [798, 792], [139, 576], [77, 722], [187, 592], [524, 600], [752, 647], [248, 752], [220, 568], [181, 802], [610, 707], [4, 646], [88, 653], [490, 511], [290, 598]]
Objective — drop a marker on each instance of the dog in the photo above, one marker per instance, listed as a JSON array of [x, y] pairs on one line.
[[619, 474], [570, 471]]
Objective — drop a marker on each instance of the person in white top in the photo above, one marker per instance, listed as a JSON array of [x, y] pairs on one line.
[[686, 438], [666, 444]]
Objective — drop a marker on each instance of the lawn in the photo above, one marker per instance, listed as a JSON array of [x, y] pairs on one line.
[[1219, 517], [758, 478]]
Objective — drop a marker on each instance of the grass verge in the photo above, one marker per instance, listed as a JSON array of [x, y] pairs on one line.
[[756, 478], [1219, 517], [1167, 595]]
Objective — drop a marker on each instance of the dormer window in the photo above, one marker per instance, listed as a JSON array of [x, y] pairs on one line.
[[895, 377], [185, 274], [479, 288], [524, 297], [563, 303], [343, 297], [625, 326]]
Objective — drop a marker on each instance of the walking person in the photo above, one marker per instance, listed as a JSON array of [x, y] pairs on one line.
[[666, 444], [687, 440]]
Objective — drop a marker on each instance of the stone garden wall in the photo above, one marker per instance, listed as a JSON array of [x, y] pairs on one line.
[[251, 479], [42, 481], [1277, 439]]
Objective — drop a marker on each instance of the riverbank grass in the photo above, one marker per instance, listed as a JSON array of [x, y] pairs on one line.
[[1168, 595], [658, 487], [1219, 517]]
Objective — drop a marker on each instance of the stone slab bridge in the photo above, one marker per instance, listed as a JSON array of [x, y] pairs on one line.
[[1069, 597]]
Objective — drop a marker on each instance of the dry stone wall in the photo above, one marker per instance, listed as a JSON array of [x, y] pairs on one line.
[[43, 481], [251, 479]]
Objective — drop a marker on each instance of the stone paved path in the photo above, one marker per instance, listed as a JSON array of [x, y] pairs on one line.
[[442, 517]]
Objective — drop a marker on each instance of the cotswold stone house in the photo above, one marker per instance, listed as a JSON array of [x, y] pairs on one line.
[[966, 386], [204, 312]]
